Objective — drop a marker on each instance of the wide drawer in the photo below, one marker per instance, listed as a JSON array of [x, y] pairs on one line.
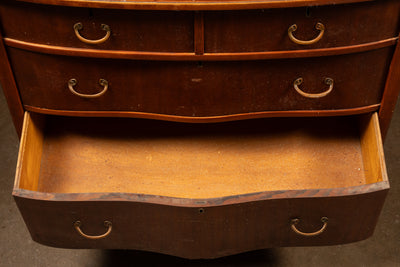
[[159, 31], [316, 27], [203, 190], [200, 89]]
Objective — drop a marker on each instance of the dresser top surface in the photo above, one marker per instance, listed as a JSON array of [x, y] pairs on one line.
[[190, 4]]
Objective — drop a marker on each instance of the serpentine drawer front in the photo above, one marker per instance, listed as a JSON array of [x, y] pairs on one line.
[[193, 191], [196, 128], [193, 90], [224, 31]]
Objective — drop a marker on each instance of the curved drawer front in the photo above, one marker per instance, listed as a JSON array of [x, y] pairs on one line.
[[265, 30], [204, 191], [222, 32], [214, 232], [199, 89], [129, 30]]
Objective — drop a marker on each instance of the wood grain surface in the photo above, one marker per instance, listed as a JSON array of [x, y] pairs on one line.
[[206, 228], [199, 161], [160, 31], [192, 56], [200, 190], [190, 5], [267, 30], [391, 93], [202, 89], [210, 119], [210, 233], [222, 32]]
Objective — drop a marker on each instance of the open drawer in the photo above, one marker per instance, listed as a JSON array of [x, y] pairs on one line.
[[200, 190]]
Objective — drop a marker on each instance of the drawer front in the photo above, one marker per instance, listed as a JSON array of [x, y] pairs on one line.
[[63, 212], [267, 30], [198, 89], [208, 232], [129, 30]]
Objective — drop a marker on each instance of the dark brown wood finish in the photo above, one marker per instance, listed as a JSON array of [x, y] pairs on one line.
[[200, 61], [198, 90], [210, 119], [391, 93], [199, 33], [10, 89], [261, 30], [157, 31], [212, 227], [191, 5], [192, 56], [238, 31], [209, 232]]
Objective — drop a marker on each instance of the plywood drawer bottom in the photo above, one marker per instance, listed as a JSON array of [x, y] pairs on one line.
[[200, 191]]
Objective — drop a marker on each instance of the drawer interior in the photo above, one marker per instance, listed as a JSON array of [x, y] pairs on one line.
[[86, 155]]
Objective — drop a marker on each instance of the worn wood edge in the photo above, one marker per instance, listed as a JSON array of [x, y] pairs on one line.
[[208, 119], [21, 151], [191, 5], [209, 202], [192, 56], [372, 149], [390, 93], [29, 158]]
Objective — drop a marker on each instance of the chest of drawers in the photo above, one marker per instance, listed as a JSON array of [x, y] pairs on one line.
[[200, 129]]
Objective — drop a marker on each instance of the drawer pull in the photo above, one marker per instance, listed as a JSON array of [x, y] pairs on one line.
[[102, 82], [298, 81], [297, 231], [319, 26], [107, 224], [79, 26]]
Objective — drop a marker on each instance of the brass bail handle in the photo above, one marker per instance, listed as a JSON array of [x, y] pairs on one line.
[[107, 224], [295, 221], [79, 26], [327, 81], [102, 82], [319, 26]]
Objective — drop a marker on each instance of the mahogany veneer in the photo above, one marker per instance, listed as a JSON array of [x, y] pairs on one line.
[[205, 89], [261, 30], [130, 30], [203, 190], [222, 178]]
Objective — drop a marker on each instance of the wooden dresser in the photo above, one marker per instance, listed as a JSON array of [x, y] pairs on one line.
[[200, 128]]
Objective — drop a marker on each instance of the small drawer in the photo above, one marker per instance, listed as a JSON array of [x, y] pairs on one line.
[[154, 31], [319, 26], [200, 89], [202, 190]]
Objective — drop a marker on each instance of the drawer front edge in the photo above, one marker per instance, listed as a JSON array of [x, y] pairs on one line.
[[203, 231]]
